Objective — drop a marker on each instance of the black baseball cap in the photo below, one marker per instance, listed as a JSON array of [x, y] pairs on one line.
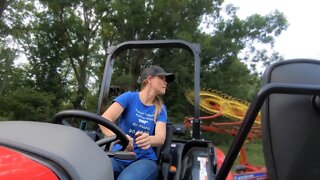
[[156, 71]]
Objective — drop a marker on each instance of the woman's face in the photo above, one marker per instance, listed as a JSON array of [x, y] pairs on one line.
[[159, 84]]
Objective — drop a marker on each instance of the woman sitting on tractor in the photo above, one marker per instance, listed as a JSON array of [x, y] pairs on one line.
[[143, 117]]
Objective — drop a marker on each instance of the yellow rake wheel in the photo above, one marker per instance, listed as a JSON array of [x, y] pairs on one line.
[[214, 102]]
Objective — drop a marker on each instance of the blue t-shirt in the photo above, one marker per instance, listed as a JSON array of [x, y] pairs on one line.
[[138, 117]]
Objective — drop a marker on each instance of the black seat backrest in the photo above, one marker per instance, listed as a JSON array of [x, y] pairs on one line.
[[166, 156], [163, 153], [290, 123]]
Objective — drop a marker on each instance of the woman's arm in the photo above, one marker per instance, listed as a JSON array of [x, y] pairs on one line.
[[111, 114], [159, 135]]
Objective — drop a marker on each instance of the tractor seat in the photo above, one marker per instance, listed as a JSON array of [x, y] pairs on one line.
[[291, 123], [163, 154]]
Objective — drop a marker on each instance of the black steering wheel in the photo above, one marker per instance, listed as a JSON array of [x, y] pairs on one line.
[[120, 135]]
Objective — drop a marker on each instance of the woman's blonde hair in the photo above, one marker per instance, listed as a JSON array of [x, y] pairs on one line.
[[157, 101]]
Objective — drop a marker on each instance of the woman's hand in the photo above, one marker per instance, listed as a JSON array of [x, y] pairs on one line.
[[130, 144], [143, 140]]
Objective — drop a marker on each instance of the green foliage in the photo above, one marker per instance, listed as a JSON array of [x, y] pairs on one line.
[[27, 104], [233, 78], [66, 42], [6, 68], [91, 104]]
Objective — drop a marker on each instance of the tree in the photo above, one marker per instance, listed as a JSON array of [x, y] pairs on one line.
[[7, 55], [6, 67], [60, 39], [230, 56], [27, 104], [3, 6], [232, 77], [232, 36], [66, 43]]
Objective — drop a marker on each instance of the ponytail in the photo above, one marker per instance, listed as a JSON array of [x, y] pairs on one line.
[[157, 102]]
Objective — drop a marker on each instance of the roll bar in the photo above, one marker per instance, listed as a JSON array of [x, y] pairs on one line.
[[193, 49]]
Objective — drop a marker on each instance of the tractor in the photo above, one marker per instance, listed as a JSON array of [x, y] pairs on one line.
[[290, 109]]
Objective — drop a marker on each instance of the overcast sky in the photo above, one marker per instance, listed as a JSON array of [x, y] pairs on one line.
[[302, 38]]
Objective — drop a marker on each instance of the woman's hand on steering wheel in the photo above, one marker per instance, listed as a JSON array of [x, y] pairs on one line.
[[130, 144]]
